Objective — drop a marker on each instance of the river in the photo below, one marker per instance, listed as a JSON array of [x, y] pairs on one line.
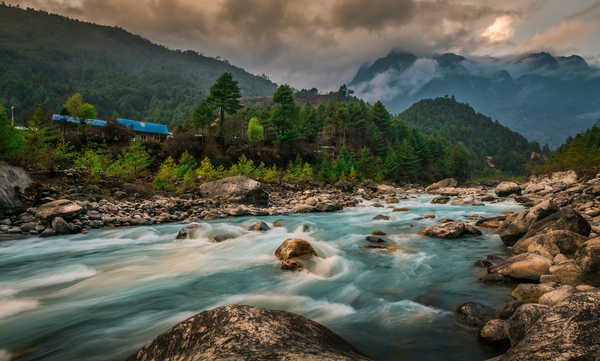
[[102, 295]]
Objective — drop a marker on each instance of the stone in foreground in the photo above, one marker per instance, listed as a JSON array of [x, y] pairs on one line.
[[240, 332], [295, 248], [569, 330]]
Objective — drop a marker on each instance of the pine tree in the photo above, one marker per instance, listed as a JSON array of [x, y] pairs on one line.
[[225, 96]]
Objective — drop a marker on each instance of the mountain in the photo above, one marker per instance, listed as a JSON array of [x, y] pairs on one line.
[[45, 58], [581, 152], [489, 143], [543, 97]]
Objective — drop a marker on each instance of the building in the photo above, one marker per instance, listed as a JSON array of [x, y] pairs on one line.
[[144, 131]]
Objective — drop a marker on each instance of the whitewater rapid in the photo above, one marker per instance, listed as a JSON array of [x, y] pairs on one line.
[[102, 295]]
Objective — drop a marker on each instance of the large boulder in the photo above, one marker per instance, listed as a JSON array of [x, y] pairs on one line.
[[240, 332], [451, 230], [565, 219], [61, 208], [531, 292], [569, 330], [494, 332], [474, 314], [507, 188], [13, 181], [588, 258], [553, 242], [295, 248], [517, 225], [526, 266], [445, 183], [239, 189], [522, 319]]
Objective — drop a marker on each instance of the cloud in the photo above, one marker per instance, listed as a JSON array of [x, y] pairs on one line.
[[392, 83], [561, 37], [310, 43]]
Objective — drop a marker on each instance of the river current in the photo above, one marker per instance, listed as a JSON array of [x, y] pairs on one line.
[[102, 295]]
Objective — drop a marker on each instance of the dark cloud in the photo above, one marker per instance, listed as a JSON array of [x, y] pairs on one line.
[[311, 42], [371, 14]]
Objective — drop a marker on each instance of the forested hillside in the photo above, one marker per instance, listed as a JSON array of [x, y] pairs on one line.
[[45, 58], [480, 135], [580, 152]]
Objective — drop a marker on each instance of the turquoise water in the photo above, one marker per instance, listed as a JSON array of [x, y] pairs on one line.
[[102, 295]]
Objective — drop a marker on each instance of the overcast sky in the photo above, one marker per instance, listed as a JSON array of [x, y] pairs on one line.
[[321, 43]]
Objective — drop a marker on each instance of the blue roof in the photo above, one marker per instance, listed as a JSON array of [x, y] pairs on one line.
[[135, 125], [144, 126], [95, 122]]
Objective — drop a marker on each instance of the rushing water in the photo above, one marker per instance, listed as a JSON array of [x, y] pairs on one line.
[[102, 295]]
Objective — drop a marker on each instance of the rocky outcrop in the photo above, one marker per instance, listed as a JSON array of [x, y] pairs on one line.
[[494, 332], [238, 189], [239, 332], [445, 183], [13, 181], [505, 189], [588, 258], [61, 208], [526, 266], [565, 219], [517, 225], [553, 242], [569, 330], [451, 230]]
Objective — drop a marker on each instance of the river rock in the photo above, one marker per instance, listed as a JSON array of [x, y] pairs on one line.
[[445, 183], [291, 265], [467, 201], [189, 232], [522, 320], [13, 181], [239, 189], [588, 258], [474, 314], [60, 226], [567, 273], [61, 208], [517, 225], [451, 230], [494, 332], [295, 248], [553, 242], [505, 189], [492, 222], [440, 200], [531, 292], [240, 332], [569, 330], [381, 217], [259, 226], [303, 208], [565, 219], [528, 266], [555, 296]]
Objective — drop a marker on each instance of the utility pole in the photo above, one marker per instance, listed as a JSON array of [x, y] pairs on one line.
[[12, 115]]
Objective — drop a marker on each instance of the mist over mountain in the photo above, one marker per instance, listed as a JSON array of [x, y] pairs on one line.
[[544, 97]]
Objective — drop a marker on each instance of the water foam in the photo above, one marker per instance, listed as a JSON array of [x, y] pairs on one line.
[[10, 307]]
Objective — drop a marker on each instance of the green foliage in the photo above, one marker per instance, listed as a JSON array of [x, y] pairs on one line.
[[131, 163], [95, 160], [271, 175], [256, 132], [581, 152], [87, 111], [244, 166], [225, 96], [186, 164], [37, 151], [207, 171], [167, 176], [203, 116], [73, 104], [10, 140]]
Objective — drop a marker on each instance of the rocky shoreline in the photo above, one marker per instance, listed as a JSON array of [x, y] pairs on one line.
[[554, 269]]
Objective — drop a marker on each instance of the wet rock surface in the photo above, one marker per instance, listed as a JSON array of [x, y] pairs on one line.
[[239, 332]]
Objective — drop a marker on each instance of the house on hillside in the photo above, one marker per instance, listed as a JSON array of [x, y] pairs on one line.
[[144, 131]]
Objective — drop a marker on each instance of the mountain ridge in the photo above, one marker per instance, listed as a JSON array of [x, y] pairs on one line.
[[539, 95], [46, 57]]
